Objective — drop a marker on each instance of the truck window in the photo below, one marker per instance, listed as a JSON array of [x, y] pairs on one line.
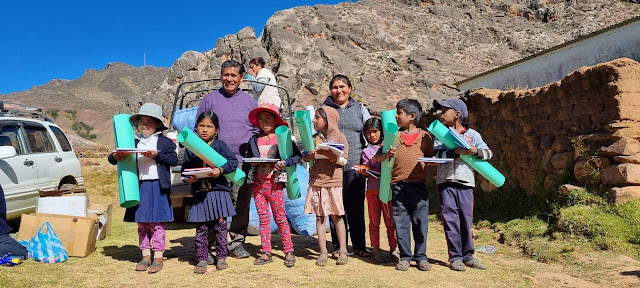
[[62, 139], [38, 139], [10, 136]]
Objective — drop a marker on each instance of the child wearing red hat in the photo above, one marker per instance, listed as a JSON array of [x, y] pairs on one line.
[[267, 180]]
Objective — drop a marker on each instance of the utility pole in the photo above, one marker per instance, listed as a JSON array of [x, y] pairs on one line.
[[144, 59]]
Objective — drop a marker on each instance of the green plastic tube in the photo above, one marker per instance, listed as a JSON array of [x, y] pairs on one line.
[[283, 134], [303, 121], [389, 129], [193, 142], [481, 166], [128, 184]]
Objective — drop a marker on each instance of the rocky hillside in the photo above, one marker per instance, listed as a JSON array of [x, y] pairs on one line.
[[397, 49], [93, 98]]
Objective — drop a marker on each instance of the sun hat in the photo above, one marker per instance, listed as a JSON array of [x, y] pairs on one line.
[[149, 109], [455, 104], [268, 107]]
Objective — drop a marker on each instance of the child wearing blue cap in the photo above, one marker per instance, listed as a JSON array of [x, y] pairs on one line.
[[455, 183]]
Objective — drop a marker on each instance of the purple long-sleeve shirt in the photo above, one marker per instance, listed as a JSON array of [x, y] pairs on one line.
[[367, 160], [233, 115]]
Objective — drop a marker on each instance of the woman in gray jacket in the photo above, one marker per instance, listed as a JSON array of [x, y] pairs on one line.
[[353, 114]]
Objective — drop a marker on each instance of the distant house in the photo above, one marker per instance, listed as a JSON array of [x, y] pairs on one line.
[[618, 41]]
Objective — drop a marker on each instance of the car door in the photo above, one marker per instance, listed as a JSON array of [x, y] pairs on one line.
[[49, 159], [19, 176], [68, 158]]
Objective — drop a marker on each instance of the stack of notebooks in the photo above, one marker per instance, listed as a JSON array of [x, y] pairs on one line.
[[198, 172], [335, 148]]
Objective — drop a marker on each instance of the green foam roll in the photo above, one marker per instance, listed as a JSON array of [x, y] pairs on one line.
[[128, 184], [303, 121], [210, 156], [481, 166], [285, 148], [389, 129]]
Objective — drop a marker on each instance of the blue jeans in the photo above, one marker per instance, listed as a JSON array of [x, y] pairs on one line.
[[411, 214]]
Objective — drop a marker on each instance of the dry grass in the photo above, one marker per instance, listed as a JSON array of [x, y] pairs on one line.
[[111, 265]]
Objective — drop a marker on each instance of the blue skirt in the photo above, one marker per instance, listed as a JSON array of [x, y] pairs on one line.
[[154, 206], [210, 206]]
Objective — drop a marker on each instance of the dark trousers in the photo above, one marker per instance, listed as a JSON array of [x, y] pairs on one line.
[[241, 197], [208, 232], [411, 214], [456, 203], [353, 193], [10, 245]]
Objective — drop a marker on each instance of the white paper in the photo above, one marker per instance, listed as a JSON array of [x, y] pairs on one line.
[[334, 150], [198, 172], [435, 160], [260, 160], [132, 150]]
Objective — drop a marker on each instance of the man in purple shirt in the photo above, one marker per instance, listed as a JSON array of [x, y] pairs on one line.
[[232, 106]]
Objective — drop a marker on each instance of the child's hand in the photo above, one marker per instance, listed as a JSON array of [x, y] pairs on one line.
[[362, 171], [119, 156], [216, 173], [150, 154], [390, 153], [472, 151], [279, 165], [311, 155], [190, 179]]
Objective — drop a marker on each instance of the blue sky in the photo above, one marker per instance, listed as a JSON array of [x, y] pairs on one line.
[[44, 40]]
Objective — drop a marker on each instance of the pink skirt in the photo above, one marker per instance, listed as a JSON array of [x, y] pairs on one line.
[[324, 201]]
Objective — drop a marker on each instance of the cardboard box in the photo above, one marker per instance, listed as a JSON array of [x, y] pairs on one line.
[[71, 203], [77, 234], [104, 213]]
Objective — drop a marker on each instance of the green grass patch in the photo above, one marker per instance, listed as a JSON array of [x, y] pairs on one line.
[[519, 230]]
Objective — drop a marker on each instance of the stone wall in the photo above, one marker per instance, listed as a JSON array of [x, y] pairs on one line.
[[588, 123]]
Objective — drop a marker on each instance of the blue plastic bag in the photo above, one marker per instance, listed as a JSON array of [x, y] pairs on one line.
[[185, 118], [46, 246], [303, 224]]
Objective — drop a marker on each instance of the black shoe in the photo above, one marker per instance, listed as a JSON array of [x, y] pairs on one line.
[[240, 252]]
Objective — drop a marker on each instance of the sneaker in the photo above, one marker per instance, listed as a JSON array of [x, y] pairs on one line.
[[240, 252]]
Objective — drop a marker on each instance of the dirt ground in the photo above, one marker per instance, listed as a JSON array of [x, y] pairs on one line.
[[113, 262]]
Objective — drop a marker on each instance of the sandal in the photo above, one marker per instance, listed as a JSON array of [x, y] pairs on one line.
[[424, 265], [200, 268], [289, 259], [457, 265], [263, 259], [474, 263], [156, 266], [403, 265], [144, 264], [377, 255], [222, 264], [322, 259], [343, 258], [335, 254], [362, 253]]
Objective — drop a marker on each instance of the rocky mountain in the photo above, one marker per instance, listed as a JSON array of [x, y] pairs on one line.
[[400, 48], [93, 98]]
